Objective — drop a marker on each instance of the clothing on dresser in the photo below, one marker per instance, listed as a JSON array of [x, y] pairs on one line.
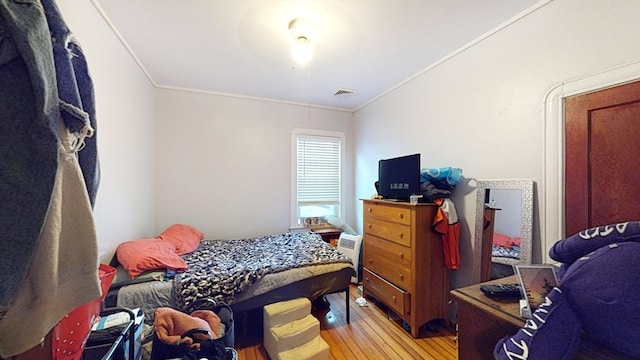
[[447, 225]]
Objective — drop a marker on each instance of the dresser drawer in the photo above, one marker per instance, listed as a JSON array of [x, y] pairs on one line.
[[395, 298], [400, 215], [389, 260], [398, 233]]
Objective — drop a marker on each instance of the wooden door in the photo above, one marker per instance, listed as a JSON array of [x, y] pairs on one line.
[[602, 157]]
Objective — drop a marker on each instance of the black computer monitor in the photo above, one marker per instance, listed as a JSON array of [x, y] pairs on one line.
[[399, 178]]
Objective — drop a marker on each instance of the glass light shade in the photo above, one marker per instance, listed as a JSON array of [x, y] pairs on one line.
[[301, 51]]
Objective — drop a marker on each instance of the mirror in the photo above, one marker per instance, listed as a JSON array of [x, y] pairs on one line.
[[504, 223]]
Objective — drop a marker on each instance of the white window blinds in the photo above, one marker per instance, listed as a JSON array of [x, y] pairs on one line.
[[318, 170]]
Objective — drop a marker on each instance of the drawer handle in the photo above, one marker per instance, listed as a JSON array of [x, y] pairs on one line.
[[369, 209], [400, 235], [401, 256], [370, 262], [370, 226], [401, 216], [395, 300], [401, 277]]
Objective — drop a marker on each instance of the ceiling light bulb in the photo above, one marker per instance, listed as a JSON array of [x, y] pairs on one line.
[[301, 52], [301, 34]]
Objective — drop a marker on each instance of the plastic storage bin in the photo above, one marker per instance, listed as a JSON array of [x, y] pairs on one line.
[[69, 336]]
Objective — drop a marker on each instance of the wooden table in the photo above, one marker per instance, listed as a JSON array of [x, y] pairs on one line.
[[330, 235], [482, 321]]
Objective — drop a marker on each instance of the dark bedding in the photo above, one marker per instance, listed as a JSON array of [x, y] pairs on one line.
[[241, 275], [512, 252], [223, 269]]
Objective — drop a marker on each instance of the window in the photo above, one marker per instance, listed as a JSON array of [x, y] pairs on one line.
[[317, 176]]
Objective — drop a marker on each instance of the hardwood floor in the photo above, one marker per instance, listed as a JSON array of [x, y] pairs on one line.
[[370, 334]]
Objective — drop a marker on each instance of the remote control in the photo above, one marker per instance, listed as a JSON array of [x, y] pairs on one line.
[[501, 290]]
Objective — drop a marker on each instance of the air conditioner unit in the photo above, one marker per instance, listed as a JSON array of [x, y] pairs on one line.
[[349, 244]]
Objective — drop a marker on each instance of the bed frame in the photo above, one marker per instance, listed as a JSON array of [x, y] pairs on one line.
[[310, 288]]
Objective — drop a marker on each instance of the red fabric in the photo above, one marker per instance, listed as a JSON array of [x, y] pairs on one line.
[[450, 234], [502, 240], [69, 336], [185, 238], [138, 256], [486, 221], [516, 240], [505, 241]]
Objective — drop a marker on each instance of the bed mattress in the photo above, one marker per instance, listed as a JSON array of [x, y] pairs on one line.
[[308, 281], [236, 273]]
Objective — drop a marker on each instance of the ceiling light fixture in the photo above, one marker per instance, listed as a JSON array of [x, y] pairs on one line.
[[301, 33]]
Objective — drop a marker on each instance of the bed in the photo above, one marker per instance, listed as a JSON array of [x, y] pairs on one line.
[[244, 273], [505, 246]]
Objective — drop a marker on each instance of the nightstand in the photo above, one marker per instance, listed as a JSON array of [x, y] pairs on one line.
[[330, 235]]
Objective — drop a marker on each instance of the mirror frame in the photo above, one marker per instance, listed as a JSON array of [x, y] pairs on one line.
[[526, 220]]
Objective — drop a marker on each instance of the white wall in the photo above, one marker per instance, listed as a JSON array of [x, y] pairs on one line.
[[223, 164], [482, 109], [125, 130]]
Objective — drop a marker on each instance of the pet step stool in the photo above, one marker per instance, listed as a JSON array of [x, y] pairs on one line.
[[315, 349], [291, 332]]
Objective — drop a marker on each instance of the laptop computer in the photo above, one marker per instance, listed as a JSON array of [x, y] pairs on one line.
[[536, 282]]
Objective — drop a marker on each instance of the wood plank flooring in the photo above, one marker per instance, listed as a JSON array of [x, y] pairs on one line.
[[372, 334]]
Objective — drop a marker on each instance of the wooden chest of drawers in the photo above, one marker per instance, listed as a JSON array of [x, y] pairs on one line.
[[403, 261]]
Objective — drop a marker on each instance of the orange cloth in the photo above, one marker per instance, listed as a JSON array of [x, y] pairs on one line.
[[446, 224]]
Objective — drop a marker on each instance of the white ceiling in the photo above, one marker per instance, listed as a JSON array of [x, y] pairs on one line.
[[242, 47]]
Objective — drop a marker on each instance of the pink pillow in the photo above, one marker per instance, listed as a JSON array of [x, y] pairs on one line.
[[185, 238], [502, 240], [138, 256], [515, 240]]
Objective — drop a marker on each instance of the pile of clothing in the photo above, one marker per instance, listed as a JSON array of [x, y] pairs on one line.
[[436, 185]]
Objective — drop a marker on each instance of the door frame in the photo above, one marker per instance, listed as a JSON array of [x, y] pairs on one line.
[[552, 193]]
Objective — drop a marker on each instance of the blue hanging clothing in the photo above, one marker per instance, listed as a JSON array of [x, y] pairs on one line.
[[446, 175]]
